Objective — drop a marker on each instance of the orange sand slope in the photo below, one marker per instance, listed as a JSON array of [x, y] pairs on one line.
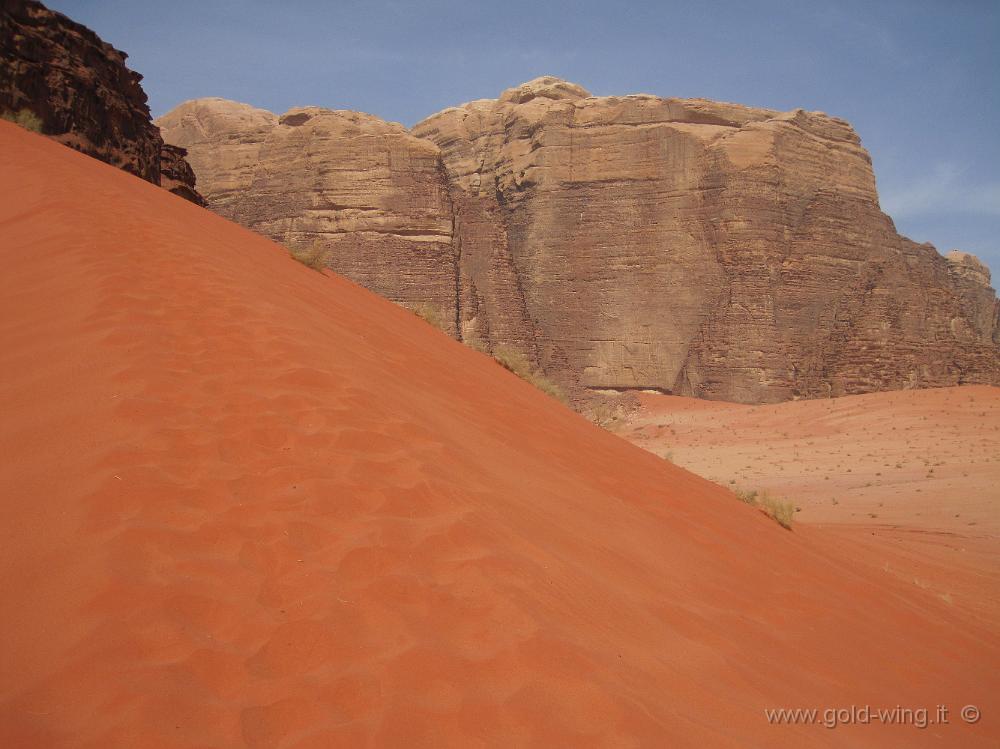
[[249, 504]]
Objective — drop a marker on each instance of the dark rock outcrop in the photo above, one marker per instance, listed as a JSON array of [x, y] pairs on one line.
[[82, 93], [176, 174]]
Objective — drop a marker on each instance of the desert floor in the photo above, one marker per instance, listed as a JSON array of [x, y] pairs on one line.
[[914, 476]]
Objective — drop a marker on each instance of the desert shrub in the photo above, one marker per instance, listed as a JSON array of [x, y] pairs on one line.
[[25, 118], [429, 314], [781, 511], [516, 362], [601, 414], [316, 257], [547, 386], [607, 410], [604, 414], [513, 361], [477, 345]]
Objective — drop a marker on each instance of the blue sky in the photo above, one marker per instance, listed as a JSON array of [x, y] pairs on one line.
[[920, 81]]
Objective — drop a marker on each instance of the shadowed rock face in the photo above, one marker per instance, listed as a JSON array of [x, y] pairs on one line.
[[629, 242], [176, 174], [85, 97]]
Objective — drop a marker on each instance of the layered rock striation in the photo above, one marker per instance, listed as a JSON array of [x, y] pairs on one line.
[[633, 242], [83, 95], [368, 190]]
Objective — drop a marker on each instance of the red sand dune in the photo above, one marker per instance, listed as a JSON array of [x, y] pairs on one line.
[[249, 504]]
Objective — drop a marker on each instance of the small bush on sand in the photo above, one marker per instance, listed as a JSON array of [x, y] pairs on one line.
[[25, 118], [607, 411], [516, 362], [429, 314], [780, 511], [316, 257], [548, 387], [513, 361], [603, 415]]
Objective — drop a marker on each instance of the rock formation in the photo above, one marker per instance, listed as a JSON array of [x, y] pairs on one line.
[[83, 94], [176, 174], [622, 243], [373, 193]]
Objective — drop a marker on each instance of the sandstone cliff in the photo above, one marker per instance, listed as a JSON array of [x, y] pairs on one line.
[[83, 94], [367, 189], [625, 242]]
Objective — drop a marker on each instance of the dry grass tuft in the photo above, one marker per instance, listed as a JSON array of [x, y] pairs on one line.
[[781, 511], [316, 257], [516, 362], [25, 118], [429, 314]]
